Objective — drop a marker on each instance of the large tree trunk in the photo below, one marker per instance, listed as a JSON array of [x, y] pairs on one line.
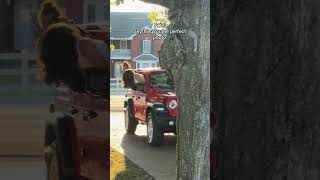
[[266, 80], [187, 58]]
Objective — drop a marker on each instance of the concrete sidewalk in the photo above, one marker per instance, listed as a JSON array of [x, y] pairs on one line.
[[116, 103]]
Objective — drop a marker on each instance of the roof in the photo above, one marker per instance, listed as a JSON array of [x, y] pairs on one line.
[[124, 24], [146, 57]]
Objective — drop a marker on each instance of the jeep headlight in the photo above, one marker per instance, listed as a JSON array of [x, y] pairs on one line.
[[173, 104]]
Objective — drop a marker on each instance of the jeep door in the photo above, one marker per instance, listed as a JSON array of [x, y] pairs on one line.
[[140, 103], [92, 133], [140, 98], [96, 150]]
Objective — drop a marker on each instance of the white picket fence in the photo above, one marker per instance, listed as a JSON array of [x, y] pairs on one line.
[[116, 87], [22, 67], [17, 74]]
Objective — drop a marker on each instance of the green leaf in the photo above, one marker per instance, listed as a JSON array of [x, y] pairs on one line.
[[153, 17], [112, 47]]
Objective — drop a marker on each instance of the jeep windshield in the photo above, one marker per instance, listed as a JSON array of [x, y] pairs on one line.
[[161, 81]]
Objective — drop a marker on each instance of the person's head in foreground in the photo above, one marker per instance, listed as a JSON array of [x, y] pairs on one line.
[[58, 57]]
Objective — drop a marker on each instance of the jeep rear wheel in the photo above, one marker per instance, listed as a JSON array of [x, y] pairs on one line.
[[51, 159], [129, 121], [154, 134]]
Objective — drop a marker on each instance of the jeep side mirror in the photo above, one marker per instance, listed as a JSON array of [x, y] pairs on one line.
[[140, 87]]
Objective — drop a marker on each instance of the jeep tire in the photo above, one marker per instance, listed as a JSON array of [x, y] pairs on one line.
[[51, 160], [129, 121], [58, 156], [154, 134], [54, 164]]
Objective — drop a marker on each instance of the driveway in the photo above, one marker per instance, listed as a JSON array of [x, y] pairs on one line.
[[159, 162]]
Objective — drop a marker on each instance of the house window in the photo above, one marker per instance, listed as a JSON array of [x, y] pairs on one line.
[[123, 44], [129, 44], [141, 65], [116, 44], [146, 65], [117, 70], [91, 13], [146, 46]]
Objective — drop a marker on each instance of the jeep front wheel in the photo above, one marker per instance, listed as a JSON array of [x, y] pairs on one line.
[[129, 121], [154, 134]]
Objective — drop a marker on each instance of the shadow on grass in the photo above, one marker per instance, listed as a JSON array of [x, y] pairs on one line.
[[132, 144]]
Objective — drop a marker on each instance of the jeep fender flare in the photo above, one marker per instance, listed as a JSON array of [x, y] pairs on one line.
[[61, 128]]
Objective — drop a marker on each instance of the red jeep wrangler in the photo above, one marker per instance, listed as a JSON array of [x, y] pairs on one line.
[[76, 144], [153, 103]]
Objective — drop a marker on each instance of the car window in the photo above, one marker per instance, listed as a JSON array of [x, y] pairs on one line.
[[161, 80]]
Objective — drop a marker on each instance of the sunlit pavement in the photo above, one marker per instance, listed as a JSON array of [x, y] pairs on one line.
[[116, 103], [159, 162]]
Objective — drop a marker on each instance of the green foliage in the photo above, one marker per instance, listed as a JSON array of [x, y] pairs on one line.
[[153, 17], [112, 47], [159, 18]]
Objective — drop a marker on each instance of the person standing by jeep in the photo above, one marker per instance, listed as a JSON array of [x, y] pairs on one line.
[[130, 79], [64, 56], [50, 13], [65, 51]]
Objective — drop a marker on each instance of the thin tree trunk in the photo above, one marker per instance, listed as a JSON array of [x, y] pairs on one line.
[[266, 81]]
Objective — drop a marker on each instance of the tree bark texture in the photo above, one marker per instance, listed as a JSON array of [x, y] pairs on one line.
[[187, 58], [266, 89]]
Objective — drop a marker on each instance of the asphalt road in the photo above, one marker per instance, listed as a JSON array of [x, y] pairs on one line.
[[159, 162]]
